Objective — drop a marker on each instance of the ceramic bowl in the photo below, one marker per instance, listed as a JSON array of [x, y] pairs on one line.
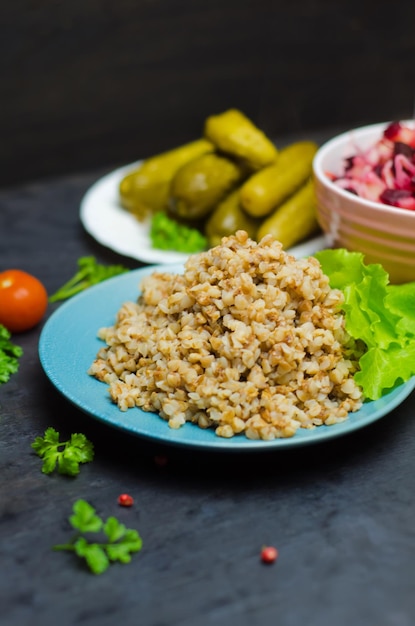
[[384, 234]]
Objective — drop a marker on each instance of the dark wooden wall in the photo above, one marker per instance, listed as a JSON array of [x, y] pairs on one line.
[[91, 83]]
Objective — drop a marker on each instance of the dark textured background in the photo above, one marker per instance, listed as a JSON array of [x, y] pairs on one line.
[[96, 82]]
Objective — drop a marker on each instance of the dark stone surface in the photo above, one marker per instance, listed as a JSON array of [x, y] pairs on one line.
[[91, 83], [341, 514]]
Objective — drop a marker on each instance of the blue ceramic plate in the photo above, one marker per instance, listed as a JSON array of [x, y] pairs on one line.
[[68, 345]]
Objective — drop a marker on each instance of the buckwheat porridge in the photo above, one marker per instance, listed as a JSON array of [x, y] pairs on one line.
[[247, 340]]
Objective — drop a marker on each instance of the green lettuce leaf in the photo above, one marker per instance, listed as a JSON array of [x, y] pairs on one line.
[[379, 314], [401, 300]]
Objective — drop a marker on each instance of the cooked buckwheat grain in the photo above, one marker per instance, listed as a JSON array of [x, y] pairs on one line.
[[247, 340]]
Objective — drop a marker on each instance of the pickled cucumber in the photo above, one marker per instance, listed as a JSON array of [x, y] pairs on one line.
[[267, 189], [145, 190], [295, 219], [199, 185], [234, 134], [227, 218]]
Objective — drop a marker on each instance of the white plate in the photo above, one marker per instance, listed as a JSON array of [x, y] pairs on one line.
[[112, 226], [68, 345]]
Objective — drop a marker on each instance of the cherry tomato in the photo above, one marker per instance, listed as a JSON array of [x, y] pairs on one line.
[[23, 300]]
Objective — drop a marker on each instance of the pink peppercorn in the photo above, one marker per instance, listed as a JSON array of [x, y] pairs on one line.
[[125, 500], [269, 554]]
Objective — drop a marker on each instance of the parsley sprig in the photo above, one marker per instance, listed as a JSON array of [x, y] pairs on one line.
[[118, 545], [63, 455], [89, 273], [9, 355]]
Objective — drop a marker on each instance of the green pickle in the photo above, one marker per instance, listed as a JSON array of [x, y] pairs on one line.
[[227, 218], [295, 220], [265, 190], [200, 185], [145, 190], [234, 134]]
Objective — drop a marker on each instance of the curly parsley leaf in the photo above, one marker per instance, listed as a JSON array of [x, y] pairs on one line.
[[93, 553], [89, 273], [66, 456], [84, 518], [118, 542], [9, 355]]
